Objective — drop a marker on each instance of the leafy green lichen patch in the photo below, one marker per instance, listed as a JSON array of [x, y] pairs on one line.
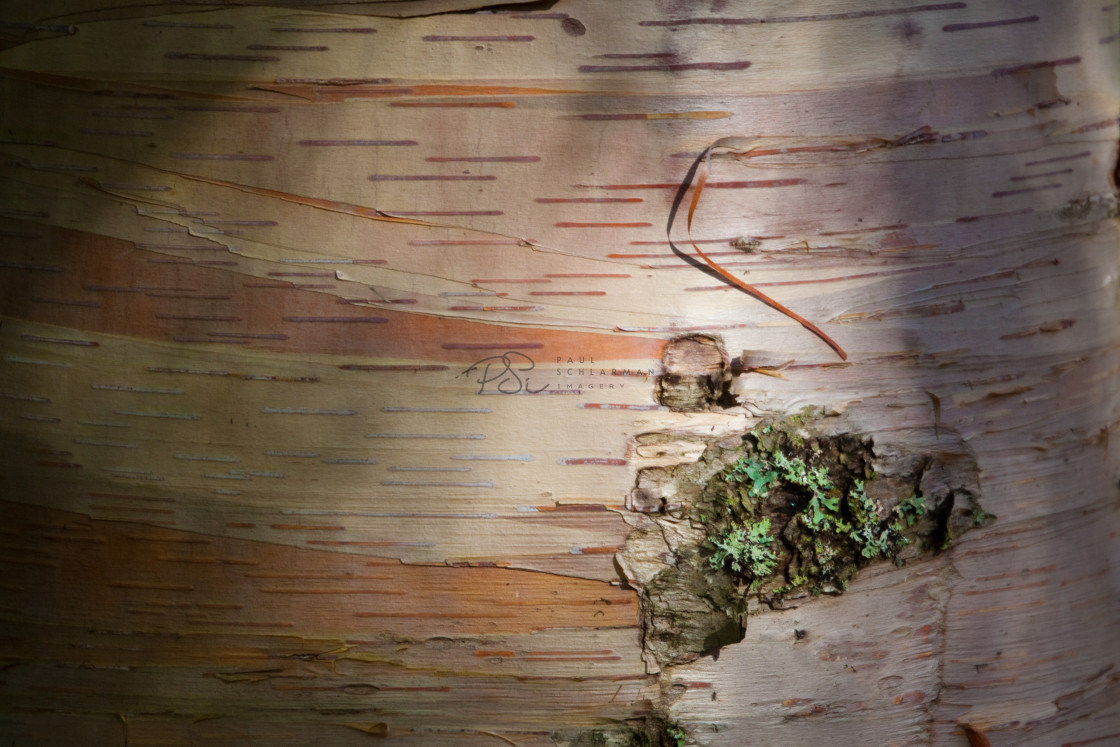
[[796, 513], [785, 512]]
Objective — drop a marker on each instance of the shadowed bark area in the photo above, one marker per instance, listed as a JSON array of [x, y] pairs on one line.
[[352, 387]]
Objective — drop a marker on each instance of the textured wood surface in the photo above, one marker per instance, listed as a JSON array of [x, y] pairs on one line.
[[253, 489]]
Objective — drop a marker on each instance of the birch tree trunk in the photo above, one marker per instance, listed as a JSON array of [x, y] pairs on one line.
[[333, 400]]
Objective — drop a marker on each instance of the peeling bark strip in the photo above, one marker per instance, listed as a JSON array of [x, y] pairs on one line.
[[701, 168]]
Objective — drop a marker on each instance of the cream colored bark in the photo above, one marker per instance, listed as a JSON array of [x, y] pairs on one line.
[[251, 255]]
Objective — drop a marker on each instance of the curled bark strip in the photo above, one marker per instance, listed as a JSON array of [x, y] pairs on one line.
[[700, 170], [975, 738]]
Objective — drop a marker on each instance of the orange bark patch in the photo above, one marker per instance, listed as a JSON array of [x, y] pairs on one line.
[[124, 576], [100, 284]]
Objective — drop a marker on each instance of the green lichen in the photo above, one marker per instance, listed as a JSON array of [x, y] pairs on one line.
[[913, 508], [747, 548], [824, 499], [759, 473], [877, 535], [651, 731], [790, 509], [793, 513]]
